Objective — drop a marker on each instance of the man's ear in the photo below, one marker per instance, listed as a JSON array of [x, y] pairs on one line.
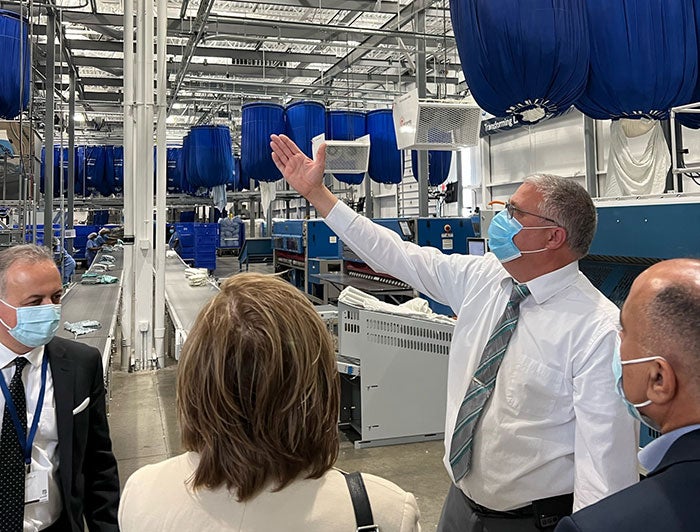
[[662, 382], [557, 238]]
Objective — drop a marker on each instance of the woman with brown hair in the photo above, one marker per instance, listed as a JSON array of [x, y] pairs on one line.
[[258, 401]]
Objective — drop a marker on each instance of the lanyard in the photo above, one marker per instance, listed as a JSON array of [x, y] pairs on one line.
[[26, 443]]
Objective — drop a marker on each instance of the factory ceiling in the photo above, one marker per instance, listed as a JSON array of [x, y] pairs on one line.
[[221, 54]]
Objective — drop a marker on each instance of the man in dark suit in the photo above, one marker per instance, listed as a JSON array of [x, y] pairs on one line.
[[57, 470], [659, 378]]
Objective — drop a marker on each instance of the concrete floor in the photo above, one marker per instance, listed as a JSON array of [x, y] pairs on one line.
[[144, 431]]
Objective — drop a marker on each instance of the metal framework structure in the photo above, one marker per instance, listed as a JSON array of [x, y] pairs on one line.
[[222, 53]]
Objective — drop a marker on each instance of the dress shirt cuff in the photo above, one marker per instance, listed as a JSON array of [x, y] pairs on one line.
[[341, 217]]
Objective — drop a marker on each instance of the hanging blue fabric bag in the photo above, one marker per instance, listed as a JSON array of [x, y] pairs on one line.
[[644, 58], [174, 170], [183, 164], [118, 165], [109, 184], [346, 125], [238, 183], [259, 121], [385, 159], [209, 161], [438, 166], [688, 119], [16, 70], [305, 120], [528, 59], [80, 183], [95, 158], [57, 173]]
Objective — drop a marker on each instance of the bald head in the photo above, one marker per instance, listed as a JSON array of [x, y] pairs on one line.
[[666, 300]]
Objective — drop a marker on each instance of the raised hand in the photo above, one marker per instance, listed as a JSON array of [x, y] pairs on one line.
[[302, 173]]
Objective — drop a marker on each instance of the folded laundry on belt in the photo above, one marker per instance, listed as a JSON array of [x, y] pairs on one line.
[[79, 328], [197, 276], [94, 278], [89, 278]]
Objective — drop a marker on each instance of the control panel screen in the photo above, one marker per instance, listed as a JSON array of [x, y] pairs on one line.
[[476, 246], [405, 229]]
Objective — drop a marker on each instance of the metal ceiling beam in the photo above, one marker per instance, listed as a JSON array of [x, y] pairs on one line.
[[405, 15], [285, 89], [249, 27], [383, 6], [257, 72], [78, 45], [183, 8], [210, 51], [116, 97], [198, 28], [368, 6]]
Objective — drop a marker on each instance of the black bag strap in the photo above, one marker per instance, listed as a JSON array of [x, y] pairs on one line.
[[360, 502]]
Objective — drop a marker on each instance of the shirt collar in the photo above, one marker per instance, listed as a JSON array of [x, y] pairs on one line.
[[549, 284], [650, 456], [7, 356]]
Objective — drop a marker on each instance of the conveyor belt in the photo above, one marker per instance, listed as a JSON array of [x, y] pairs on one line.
[[95, 302], [184, 301]]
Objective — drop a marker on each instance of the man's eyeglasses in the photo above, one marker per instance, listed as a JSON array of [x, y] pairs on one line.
[[512, 209]]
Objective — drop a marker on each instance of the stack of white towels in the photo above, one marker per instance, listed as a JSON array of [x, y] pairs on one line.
[[415, 308], [197, 276]]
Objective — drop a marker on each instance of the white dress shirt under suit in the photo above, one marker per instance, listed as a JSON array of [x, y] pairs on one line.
[[554, 423], [37, 516]]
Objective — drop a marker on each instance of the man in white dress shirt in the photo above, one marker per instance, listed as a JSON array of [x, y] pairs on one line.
[[57, 472], [553, 425]]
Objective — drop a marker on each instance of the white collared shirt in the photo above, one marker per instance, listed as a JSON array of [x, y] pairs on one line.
[[45, 448], [554, 423]]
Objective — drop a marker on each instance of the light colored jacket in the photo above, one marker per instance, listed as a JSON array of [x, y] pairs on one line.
[[158, 498]]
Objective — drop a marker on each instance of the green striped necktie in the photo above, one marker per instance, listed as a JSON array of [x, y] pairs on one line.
[[482, 384]]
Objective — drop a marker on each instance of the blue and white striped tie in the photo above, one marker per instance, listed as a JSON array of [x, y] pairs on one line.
[[482, 384]]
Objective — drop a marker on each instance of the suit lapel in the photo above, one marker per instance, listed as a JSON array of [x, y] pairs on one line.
[[62, 373]]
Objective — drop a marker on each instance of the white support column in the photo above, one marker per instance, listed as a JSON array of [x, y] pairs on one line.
[[143, 189], [159, 315], [127, 355], [48, 132], [421, 80]]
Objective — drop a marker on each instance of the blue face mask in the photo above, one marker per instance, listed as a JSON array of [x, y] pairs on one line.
[[632, 408], [35, 325], [501, 233]]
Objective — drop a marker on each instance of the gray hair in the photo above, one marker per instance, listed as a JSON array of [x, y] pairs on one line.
[[567, 202], [28, 253]]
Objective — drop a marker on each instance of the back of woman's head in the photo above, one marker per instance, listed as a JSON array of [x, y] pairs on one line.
[[258, 389]]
